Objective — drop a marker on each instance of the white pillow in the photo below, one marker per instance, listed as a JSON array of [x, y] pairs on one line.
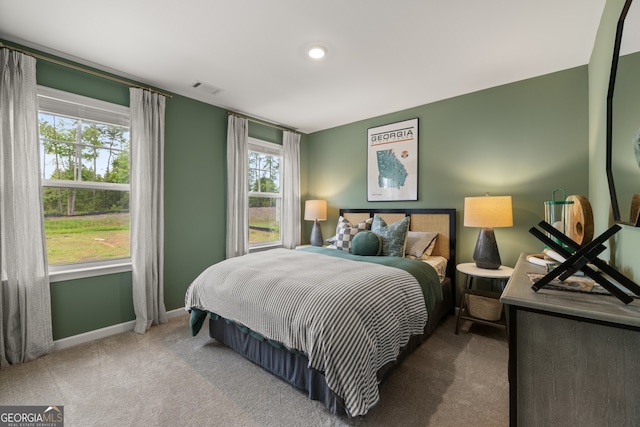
[[420, 243]]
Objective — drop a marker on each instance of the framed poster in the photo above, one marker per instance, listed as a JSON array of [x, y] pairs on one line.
[[392, 161]]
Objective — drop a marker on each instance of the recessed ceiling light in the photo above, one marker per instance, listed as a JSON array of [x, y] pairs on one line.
[[317, 52]]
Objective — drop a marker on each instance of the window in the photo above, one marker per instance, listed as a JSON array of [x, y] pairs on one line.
[[84, 155], [265, 197]]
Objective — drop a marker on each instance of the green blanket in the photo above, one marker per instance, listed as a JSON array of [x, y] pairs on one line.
[[423, 272]]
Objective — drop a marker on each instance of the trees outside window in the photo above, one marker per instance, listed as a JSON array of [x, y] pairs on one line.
[[84, 154], [265, 197]]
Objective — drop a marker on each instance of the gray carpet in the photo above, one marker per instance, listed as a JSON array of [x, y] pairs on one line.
[[168, 378]]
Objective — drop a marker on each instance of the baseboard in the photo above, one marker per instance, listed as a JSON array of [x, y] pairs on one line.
[[106, 332]]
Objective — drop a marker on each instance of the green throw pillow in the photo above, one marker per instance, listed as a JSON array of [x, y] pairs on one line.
[[366, 243], [394, 236]]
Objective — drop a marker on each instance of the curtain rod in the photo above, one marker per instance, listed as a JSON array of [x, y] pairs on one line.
[[82, 69], [231, 113]]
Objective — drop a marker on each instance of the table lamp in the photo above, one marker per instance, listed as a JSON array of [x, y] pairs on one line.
[[487, 212], [315, 210]]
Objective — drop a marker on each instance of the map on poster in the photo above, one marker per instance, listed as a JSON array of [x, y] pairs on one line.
[[391, 171]]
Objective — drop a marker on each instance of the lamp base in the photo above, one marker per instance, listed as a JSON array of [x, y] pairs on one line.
[[486, 253], [316, 234]]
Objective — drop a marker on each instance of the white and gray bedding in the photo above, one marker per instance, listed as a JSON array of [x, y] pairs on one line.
[[348, 317]]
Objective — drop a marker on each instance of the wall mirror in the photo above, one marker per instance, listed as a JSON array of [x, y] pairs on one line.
[[623, 119]]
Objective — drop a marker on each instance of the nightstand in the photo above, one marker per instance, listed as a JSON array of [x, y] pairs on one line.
[[471, 272]]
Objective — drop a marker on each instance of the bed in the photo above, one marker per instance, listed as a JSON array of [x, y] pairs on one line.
[[327, 321]]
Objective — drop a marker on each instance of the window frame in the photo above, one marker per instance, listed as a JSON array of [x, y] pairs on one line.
[[63, 103], [271, 149]]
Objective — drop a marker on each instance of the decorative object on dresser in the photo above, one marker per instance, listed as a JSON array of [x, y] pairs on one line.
[[487, 212], [315, 210], [580, 220], [579, 258], [635, 209], [556, 211], [572, 215]]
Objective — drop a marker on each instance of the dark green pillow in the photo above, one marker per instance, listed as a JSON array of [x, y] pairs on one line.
[[366, 243]]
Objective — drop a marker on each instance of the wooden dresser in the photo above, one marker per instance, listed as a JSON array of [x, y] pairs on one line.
[[574, 358]]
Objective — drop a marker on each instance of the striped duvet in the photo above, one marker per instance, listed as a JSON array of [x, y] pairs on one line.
[[350, 318]]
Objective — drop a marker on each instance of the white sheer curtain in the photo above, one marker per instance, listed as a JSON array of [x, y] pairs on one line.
[[25, 301], [291, 191], [147, 207], [237, 187]]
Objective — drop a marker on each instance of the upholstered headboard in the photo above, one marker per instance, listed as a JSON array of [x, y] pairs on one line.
[[443, 221]]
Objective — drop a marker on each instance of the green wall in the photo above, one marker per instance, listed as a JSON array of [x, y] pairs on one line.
[[83, 305], [625, 245], [523, 139], [195, 170]]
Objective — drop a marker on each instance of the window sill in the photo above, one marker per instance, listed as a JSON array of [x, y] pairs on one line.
[[81, 271], [265, 247]]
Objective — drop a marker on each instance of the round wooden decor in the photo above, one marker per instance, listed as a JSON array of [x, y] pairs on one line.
[[579, 220]]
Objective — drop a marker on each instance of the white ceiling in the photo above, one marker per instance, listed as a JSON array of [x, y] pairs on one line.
[[383, 55]]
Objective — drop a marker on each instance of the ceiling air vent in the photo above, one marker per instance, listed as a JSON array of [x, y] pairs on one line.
[[206, 87]]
